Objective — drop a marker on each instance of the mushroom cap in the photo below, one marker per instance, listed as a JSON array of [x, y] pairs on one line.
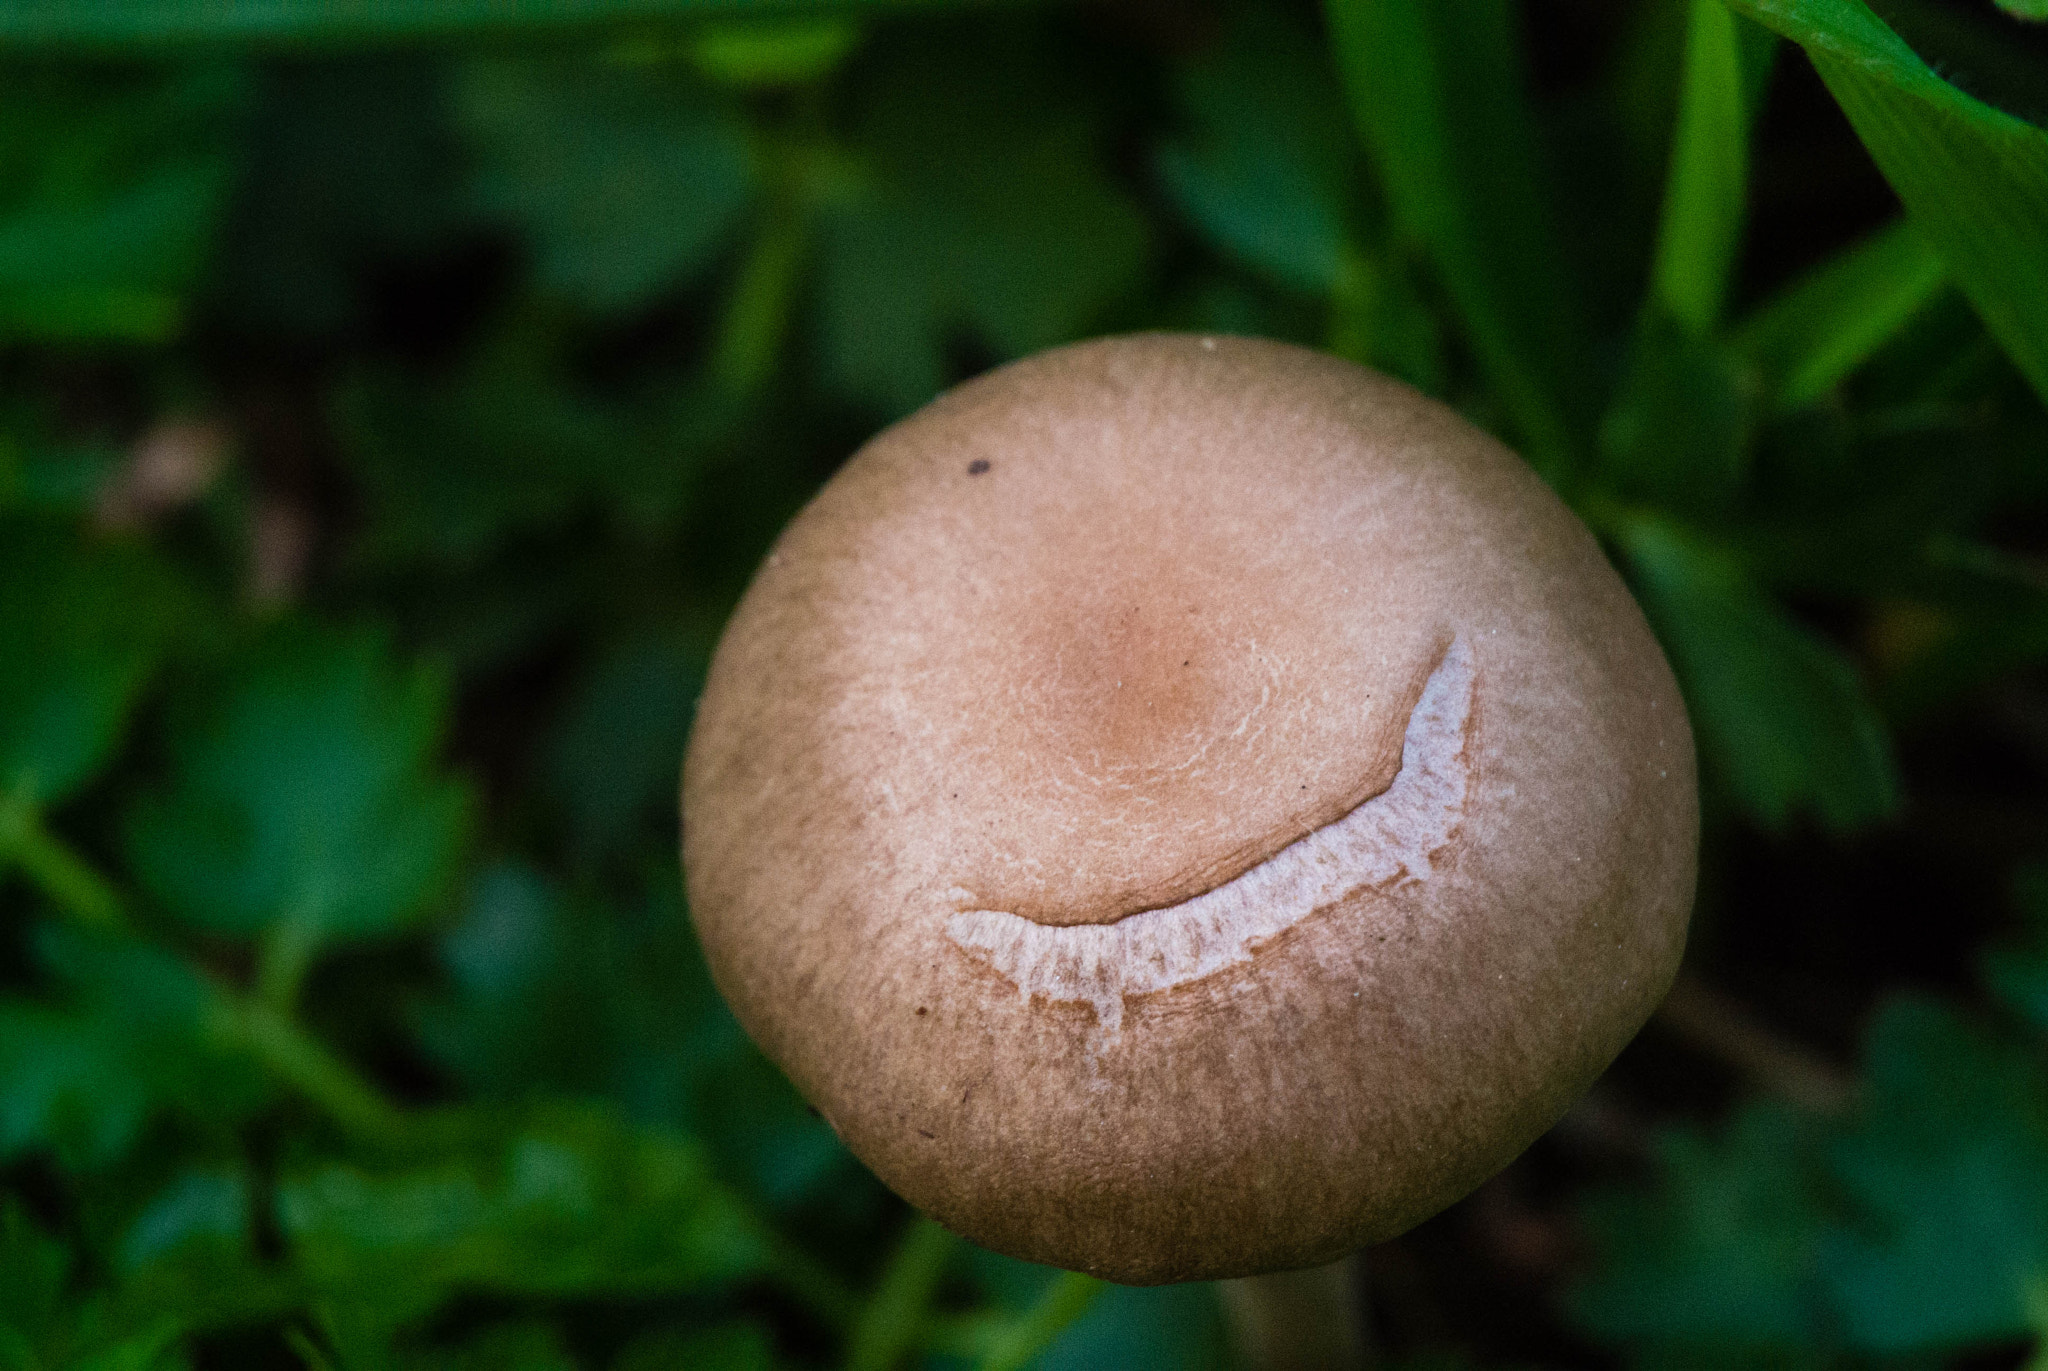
[[1183, 807]]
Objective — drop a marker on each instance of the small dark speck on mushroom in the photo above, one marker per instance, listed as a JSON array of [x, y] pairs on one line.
[[922, 1011], [922, 1134], [977, 466]]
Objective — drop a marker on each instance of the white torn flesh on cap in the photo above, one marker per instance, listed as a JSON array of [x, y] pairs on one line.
[[1388, 839]]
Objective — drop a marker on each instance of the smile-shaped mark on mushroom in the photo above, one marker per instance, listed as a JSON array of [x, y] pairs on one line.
[[1383, 841]]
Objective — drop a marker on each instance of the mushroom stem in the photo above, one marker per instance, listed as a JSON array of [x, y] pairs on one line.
[[1311, 1320]]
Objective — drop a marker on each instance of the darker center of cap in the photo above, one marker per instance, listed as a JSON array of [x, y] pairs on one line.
[[1168, 724]]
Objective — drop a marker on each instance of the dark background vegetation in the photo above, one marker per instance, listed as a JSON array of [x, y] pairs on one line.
[[394, 401]]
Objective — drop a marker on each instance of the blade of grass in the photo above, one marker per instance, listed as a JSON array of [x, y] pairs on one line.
[[144, 23], [757, 313], [1436, 89], [1065, 1300], [1974, 178], [889, 1325], [1808, 338], [1708, 188]]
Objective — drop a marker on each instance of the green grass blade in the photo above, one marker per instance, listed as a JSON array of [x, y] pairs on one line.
[[131, 23], [1064, 1301], [1708, 187], [1823, 326], [1974, 178], [889, 1324], [1436, 89]]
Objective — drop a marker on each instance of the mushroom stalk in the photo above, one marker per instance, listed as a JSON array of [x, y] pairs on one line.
[[1311, 1320]]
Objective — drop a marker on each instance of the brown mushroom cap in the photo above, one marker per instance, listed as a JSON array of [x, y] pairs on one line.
[[1183, 807]]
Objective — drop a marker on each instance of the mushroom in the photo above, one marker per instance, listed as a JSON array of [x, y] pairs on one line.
[[1183, 807]]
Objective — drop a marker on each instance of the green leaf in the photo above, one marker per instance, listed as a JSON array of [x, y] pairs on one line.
[[303, 793], [1707, 192], [584, 997], [187, 1253], [728, 1347], [81, 1079], [1976, 49], [1807, 339], [1719, 1256], [1780, 713], [626, 179], [81, 629], [203, 1207], [1437, 93], [2016, 971], [511, 443], [354, 172], [156, 1349], [1974, 178], [564, 1201], [1268, 169], [772, 53], [110, 193], [1916, 1227], [505, 1347], [152, 23], [977, 205], [1678, 432], [33, 1270], [1948, 1176], [567, 995], [614, 758]]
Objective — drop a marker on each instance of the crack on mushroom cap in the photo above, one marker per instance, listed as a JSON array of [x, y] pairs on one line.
[[1388, 839]]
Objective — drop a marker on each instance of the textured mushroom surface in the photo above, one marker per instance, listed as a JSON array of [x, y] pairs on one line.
[[1183, 807]]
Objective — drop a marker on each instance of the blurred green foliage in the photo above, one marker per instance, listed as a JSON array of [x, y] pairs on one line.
[[395, 397]]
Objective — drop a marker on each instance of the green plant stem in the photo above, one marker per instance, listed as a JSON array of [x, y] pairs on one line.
[[260, 1026], [896, 1311], [302, 1062], [1065, 1300], [757, 314], [66, 878], [283, 959]]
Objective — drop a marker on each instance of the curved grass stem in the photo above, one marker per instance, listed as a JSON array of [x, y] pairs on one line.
[[68, 880], [1065, 1300], [896, 1311], [302, 1062]]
